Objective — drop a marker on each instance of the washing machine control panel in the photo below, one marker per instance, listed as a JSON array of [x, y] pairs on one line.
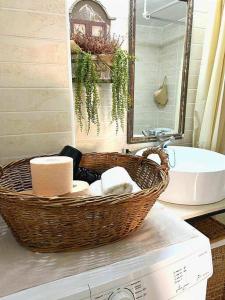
[[164, 283]]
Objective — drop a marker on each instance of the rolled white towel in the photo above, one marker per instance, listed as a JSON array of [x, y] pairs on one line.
[[116, 181], [96, 188], [136, 188]]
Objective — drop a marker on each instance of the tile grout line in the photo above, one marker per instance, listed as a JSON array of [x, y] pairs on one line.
[[32, 37], [33, 11], [35, 134], [26, 88], [32, 63]]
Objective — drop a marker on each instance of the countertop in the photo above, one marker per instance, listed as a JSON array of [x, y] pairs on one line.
[[186, 212]]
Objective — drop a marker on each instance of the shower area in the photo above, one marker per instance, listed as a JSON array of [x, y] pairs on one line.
[[160, 34]]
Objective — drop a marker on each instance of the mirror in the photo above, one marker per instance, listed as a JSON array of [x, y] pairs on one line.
[[160, 40]]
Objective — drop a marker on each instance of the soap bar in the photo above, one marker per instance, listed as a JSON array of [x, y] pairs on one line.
[[52, 176]]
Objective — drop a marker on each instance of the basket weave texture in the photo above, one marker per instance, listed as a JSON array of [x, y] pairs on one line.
[[215, 231], [64, 224]]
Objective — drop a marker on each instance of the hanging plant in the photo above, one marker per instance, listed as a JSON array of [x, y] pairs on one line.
[[120, 93], [94, 55], [86, 90]]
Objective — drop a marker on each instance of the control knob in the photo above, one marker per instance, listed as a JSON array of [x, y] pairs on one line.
[[123, 294]]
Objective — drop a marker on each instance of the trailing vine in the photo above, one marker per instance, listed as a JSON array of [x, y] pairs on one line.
[[120, 93], [107, 51], [79, 89], [86, 90]]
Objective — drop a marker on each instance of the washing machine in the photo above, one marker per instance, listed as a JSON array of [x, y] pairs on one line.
[[165, 259]]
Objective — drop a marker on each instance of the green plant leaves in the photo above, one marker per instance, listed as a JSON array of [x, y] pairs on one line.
[[87, 94], [86, 90], [120, 92]]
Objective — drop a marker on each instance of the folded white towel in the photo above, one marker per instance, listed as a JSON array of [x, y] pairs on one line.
[[116, 181], [96, 188], [136, 188]]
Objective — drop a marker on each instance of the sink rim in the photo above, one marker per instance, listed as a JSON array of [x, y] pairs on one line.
[[218, 167], [178, 168]]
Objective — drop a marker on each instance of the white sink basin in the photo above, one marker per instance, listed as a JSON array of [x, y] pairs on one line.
[[197, 176]]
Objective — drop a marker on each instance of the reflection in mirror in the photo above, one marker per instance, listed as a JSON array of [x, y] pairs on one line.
[[158, 41]]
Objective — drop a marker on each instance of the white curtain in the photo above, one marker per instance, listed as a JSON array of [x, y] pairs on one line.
[[209, 115]]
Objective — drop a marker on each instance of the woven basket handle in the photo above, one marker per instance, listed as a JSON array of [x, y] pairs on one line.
[[1, 171], [162, 154]]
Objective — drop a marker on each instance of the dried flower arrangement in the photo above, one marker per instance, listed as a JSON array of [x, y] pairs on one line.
[[97, 44], [108, 50]]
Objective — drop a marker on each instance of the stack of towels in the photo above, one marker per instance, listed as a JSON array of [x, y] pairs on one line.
[[61, 175], [115, 181]]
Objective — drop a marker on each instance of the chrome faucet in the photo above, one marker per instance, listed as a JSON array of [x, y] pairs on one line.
[[164, 141]]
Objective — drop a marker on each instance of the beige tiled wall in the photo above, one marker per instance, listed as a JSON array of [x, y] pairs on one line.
[[35, 86], [108, 140], [158, 53], [198, 34], [147, 67], [171, 64], [35, 99]]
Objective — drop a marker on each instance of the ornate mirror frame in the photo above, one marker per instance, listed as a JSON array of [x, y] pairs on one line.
[[131, 139]]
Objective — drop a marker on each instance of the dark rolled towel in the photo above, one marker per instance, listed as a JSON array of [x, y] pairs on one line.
[[79, 173], [75, 154], [89, 176]]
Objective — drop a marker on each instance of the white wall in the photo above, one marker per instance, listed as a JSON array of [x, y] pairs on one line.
[[108, 140], [35, 84]]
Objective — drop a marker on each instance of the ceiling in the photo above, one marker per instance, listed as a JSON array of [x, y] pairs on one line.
[[175, 12]]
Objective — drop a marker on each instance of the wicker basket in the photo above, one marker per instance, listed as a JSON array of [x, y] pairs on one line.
[[215, 231], [62, 224]]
